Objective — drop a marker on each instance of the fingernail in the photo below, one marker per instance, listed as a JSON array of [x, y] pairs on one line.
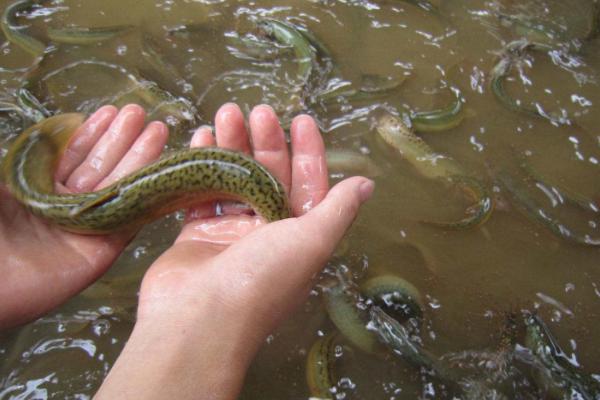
[[229, 108], [160, 127], [133, 108], [265, 107], [208, 128], [365, 190], [304, 126]]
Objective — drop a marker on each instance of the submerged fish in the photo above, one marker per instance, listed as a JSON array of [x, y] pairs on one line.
[[551, 369], [13, 32], [436, 166], [86, 36], [287, 35], [369, 328], [535, 211]]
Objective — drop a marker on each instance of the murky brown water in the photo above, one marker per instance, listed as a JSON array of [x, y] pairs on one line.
[[470, 278]]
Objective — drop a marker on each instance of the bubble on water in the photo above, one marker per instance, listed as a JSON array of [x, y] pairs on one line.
[[556, 316], [596, 291], [391, 388], [122, 50], [140, 251], [559, 307], [433, 302], [338, 351], [428, 390], [188, 88], [569, 287], [101, 327], [63, 344], [582, 101], [106, 310], [477, 146], [432, 335], [171, 120], [346, 383]]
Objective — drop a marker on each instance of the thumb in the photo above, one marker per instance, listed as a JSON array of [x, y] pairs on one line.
[[336, 212]]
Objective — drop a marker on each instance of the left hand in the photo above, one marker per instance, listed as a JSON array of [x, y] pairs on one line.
[[41, 265]]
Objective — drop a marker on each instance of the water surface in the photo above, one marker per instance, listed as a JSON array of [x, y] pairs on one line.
[[471, 279]]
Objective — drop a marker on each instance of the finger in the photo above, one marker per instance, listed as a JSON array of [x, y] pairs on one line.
[[332, 217], [269, 145], [309, 165], [230, 128], [83, 140], [203, 137], [146, 148], [109, 150]]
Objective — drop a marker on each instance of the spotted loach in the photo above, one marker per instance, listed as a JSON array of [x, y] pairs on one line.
[[175, 181]]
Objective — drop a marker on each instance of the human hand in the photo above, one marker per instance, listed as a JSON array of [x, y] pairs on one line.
[[42, 265], [208, 303]]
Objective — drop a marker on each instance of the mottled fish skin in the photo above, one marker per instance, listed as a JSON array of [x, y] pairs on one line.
[[433, 165], [171, 183], [554, 374], [415, 150], [319, 367]]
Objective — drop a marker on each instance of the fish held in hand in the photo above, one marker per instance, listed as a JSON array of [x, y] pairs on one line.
[[176, 181]]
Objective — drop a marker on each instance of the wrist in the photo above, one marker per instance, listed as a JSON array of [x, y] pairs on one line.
[[168, 357], [185, 344]]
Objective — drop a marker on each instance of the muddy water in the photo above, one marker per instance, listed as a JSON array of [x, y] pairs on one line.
[[470, 279]]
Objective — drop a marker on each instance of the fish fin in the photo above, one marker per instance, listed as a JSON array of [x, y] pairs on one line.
[[100, 199]]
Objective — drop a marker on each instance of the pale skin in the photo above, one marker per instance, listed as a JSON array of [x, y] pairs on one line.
[[207, 304]]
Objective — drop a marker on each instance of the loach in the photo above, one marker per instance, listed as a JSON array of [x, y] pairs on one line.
[[176, 181], [433, 165], [13, 32]]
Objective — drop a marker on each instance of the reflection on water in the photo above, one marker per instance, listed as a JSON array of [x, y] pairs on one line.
[[525, 74]]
